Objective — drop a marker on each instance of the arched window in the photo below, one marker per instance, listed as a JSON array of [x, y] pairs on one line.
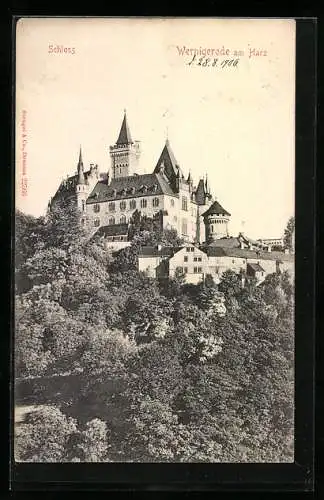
[[111, 206], [172, 202], [122, 205], [155, 202], [123, 219], [143, 203], [111, 221], [96, 207], [96, 222], [132, 204]]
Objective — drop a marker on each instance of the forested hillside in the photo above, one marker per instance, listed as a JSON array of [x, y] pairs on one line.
[[165, 375]]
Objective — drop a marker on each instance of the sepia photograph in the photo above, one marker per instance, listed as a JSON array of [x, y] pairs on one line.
[[154, 240]]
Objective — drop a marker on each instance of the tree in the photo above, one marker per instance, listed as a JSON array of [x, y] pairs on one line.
[[289, 234], [93, 444], [44, 436], [63, 226], [29, 236], [230, 284]]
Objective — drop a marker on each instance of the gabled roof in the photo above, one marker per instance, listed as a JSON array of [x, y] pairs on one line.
[[230, 242], [215, 209], [219, 251], [150, 251], [255, 267], [124, 134], [168, 162], [130, 187]]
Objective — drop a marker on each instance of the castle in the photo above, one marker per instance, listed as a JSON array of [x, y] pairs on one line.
[[107, 201]]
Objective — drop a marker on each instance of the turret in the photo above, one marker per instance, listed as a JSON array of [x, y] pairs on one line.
[[81, 186], [216, 220], [125, 153]]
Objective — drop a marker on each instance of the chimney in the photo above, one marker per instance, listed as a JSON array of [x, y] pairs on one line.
[[269, 248]]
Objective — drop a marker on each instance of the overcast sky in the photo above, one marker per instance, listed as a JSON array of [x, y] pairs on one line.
[[236, 123]]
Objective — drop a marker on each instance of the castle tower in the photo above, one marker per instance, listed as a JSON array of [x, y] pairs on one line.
[[216, 220], [81, 186], [125, 153]]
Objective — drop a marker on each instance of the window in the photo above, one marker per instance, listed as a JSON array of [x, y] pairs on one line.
[[184, 227], [96, 207], [143, 203], [188, 249], [83, 205], [96, 222], [199, 259], [195, 259], [184, 203], [155, 202], [111, 206], [212, 228], [172, 202], [123, 219], [199, 270], [185, 258], [233, 261], [262, 274], [122, 205], [132, 204], [195, 269], [185, 270], [82, 222], [111, 221], [192, 249]]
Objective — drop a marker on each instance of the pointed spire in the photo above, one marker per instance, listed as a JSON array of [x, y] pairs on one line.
[[207, 189], [189, 180], [81, 179], [124, 134], [80, 157]]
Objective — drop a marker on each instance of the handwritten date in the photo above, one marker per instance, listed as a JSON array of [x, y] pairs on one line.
[[213, 62]]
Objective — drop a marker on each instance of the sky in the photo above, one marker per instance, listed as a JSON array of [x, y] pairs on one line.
[[235, 123]]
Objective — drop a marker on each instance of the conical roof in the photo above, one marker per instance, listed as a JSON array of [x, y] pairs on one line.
[[81, 178], [200, 193], [216, 209], [124, 134]]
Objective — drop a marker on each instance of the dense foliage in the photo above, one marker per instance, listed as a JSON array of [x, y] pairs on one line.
[[166, 374]]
